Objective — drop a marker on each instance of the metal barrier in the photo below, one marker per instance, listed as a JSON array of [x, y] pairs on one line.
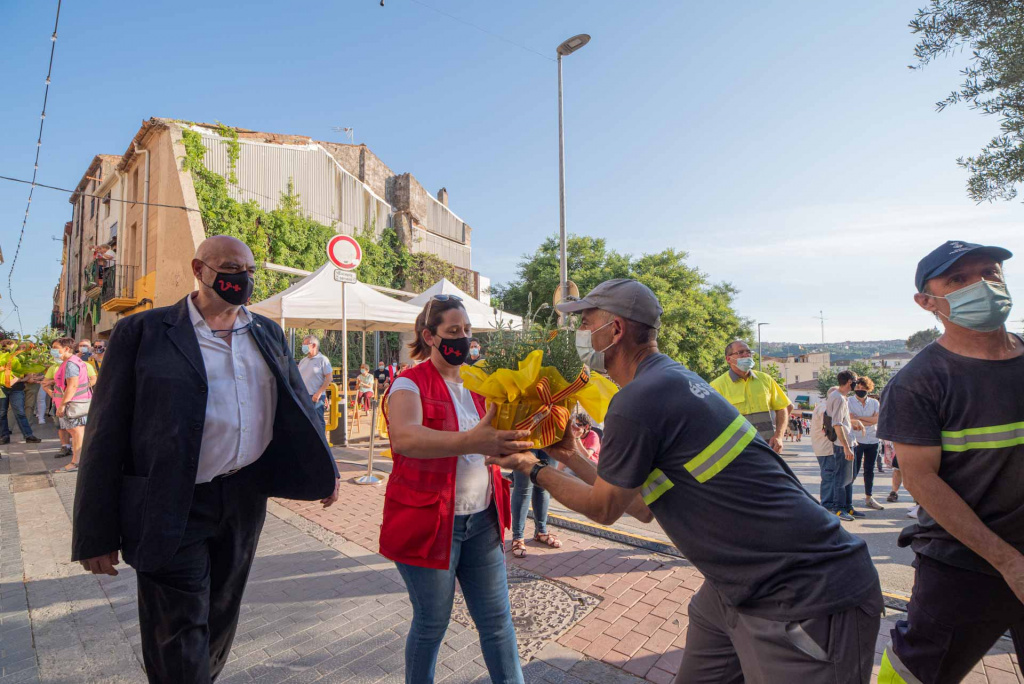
[[333, 415], [369, 478]]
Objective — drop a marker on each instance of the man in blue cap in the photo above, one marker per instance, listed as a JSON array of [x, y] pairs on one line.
[[956, 415]]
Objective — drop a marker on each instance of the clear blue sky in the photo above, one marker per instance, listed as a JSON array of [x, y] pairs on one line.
[[784, 145]]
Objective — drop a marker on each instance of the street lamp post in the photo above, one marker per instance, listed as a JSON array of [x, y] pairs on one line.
[[759, 344], [566, 48]]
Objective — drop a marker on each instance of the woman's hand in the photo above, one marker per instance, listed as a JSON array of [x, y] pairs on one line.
[[60, 411], [485, 439]]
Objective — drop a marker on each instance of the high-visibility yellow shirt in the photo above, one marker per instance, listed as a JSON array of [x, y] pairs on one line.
[[755, 396]]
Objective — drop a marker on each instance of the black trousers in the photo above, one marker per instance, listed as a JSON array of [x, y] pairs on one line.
[[955, 616], [188, 609]]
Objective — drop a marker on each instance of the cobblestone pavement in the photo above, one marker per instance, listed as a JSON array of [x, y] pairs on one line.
[[318, 608], [640, 624]]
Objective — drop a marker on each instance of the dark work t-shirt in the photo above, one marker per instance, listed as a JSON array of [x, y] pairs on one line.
[[974, 410], [727, 500]]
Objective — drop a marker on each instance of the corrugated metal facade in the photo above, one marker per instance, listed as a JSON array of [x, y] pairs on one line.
[[450, 251], [327, 192]]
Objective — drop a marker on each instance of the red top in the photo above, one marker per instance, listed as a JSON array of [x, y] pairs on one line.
[[419, 504]]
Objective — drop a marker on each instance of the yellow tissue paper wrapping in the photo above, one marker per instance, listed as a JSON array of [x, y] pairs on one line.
[[537, 397]]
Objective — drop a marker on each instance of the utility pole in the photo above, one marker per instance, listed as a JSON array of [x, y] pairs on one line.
[[759, 355], [821, 317]]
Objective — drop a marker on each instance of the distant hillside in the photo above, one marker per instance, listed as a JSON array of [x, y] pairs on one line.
[[839, 350]]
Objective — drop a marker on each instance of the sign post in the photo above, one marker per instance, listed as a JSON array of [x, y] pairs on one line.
[[345, 253]]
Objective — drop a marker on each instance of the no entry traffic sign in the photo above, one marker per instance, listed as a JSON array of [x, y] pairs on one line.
[[344, 252]]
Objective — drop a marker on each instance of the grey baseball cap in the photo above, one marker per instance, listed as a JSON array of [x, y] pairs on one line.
[[622, 297]]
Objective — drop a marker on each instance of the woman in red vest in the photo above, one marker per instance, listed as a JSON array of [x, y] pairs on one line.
[[445, 511]]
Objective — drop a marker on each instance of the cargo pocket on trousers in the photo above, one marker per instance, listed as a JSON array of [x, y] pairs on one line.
[[811, 637]]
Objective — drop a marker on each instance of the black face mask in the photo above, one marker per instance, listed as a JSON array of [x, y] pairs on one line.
[[454, 351], [861, 393], [233, 288]]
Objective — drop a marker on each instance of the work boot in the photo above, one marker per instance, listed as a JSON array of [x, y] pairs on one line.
[[871, 503]]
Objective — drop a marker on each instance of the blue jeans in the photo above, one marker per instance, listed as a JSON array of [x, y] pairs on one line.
[[478, 561], [842, 484], [521, 495], [16, 398], [827, 465], [318, 407]]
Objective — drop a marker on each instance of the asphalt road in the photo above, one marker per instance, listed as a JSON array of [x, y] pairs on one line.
[[879, 529]]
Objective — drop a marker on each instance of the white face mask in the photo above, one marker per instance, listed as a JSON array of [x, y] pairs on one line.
[[591, 357]]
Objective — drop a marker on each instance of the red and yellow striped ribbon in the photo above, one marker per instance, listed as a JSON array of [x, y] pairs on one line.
[[550, 417]]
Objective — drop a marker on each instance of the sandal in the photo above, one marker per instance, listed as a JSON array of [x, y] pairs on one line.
[[549, 539], [518, 548], [69, 468]]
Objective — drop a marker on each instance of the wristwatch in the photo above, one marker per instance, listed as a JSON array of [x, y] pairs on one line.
[[536, 470]]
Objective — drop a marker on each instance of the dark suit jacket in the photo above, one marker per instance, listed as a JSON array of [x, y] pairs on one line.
[[141, 451]]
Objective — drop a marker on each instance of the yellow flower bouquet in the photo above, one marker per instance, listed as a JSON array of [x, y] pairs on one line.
[[537, 385]]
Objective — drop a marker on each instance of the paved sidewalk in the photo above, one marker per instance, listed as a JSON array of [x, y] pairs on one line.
[[318, 608], [640, 624]]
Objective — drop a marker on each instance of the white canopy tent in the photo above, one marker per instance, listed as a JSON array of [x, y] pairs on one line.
[[315, 302], [483, 317]]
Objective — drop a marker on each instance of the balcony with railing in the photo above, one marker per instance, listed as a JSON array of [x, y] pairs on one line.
[[119, 288], [93, 276]]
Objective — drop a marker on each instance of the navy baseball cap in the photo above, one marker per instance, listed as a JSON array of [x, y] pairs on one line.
[[947, 254]]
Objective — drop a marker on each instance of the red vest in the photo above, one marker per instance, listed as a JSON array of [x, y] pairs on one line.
[[419, 504]]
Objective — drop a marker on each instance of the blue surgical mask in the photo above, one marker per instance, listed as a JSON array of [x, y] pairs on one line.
[[55, 354], [591, 357], [305, 349], [745, 363], [982, 307]]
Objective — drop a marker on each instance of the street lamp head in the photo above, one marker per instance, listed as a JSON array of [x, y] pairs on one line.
[[573, 44]]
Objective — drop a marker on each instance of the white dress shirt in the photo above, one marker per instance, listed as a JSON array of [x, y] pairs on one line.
[[241, 399]]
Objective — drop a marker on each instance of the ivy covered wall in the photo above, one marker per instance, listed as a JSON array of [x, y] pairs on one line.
[[286, 236]]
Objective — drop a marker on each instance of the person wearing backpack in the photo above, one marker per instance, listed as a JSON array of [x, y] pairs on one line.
[[823, 450], [839, 430]]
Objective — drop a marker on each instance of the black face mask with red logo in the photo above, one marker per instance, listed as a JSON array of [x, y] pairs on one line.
[[233, 288], [454, 351]]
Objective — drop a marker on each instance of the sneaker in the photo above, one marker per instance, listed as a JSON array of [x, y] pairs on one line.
[[33, 440], [856, 514], [874, 505], [893, 497], [912, 513], [843, 515]]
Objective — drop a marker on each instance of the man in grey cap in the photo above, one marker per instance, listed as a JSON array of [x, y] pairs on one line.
[[789, 595], [956, 416]]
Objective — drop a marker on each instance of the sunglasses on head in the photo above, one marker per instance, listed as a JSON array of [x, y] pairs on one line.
[[440, 298]]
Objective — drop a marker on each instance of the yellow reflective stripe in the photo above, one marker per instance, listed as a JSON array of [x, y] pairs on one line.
[[727, 458], [989, 437], [713, 448], [657, 484], [893, 671], [721, 452]]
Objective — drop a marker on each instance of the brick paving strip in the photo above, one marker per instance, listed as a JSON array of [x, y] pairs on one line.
[[318, 607]]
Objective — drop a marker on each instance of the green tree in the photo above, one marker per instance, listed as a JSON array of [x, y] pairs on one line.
[[922, 338], [992, 33], [699, 317], [773, 370]]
